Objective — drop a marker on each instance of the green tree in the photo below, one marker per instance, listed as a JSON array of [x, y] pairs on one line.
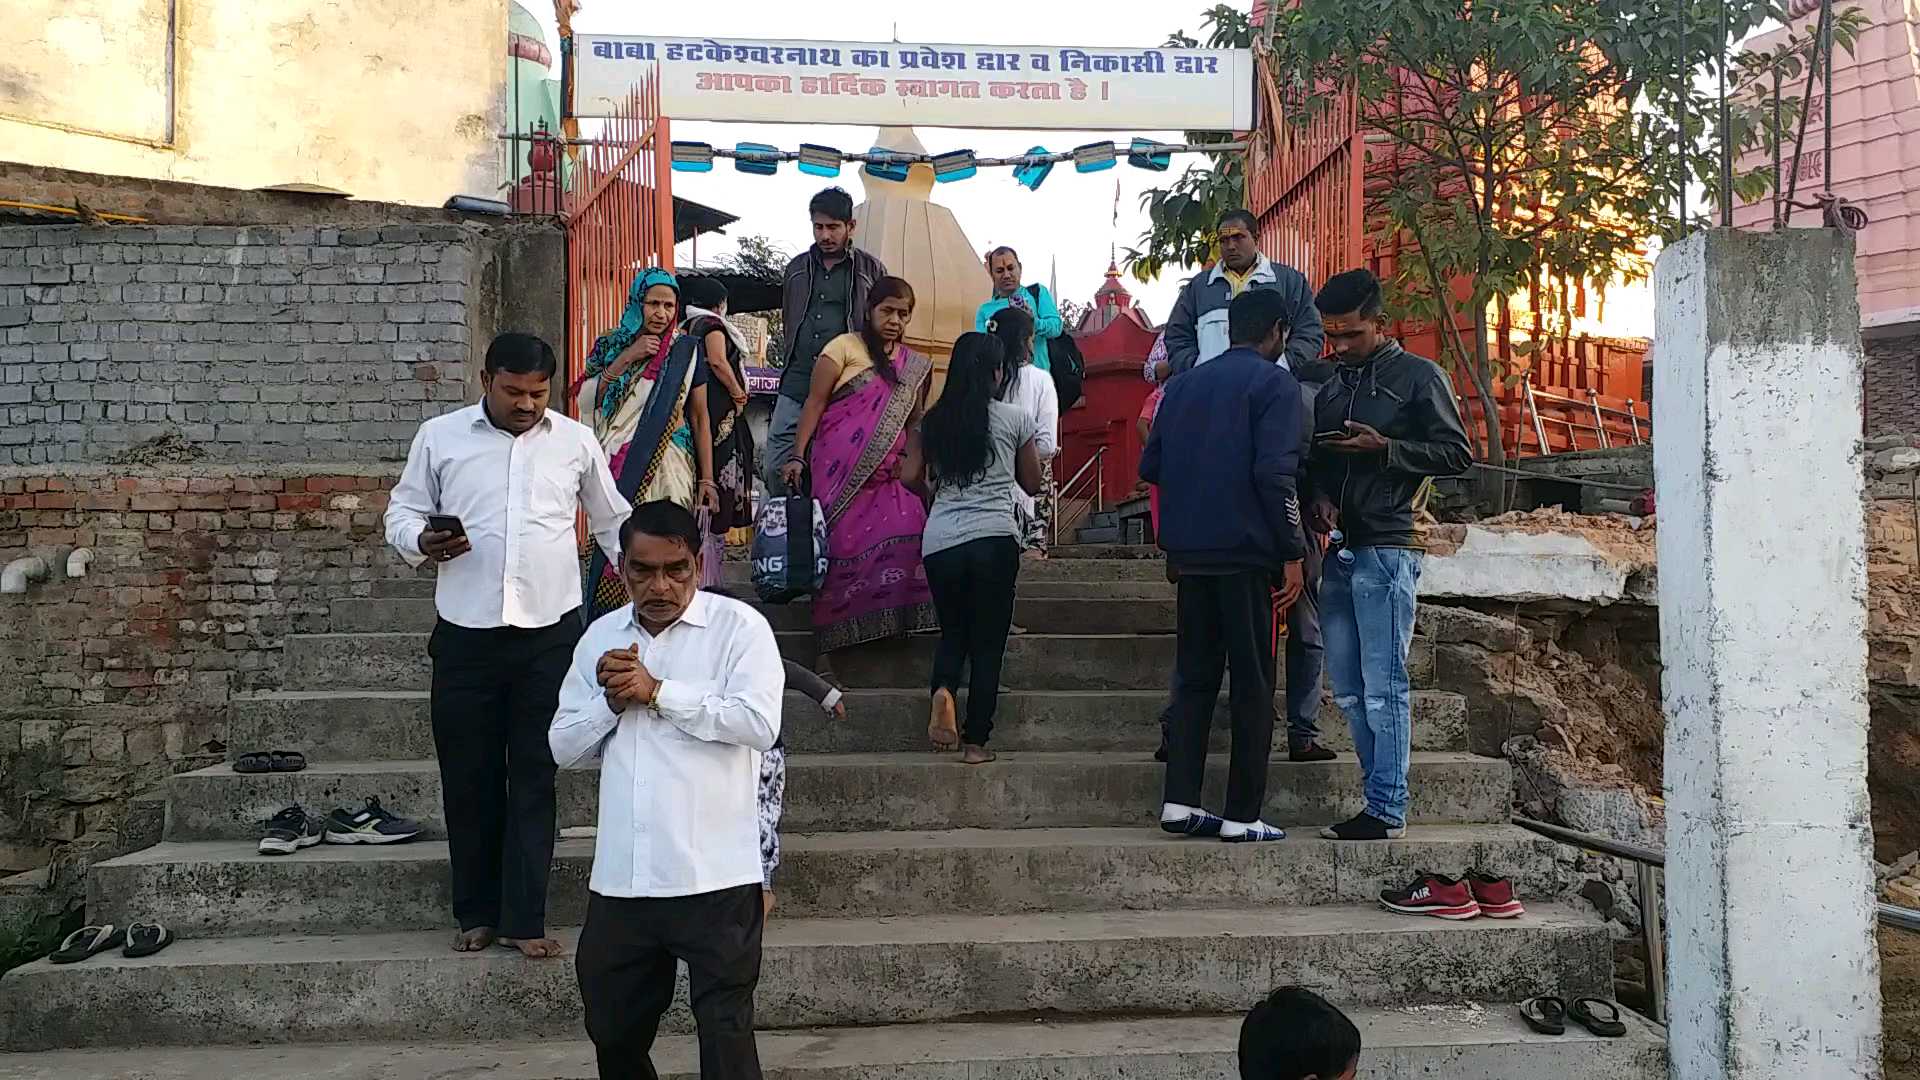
[[1530, 145], [1181, 216]]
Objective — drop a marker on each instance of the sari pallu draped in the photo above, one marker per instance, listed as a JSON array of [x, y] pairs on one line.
[[876, 586], [642, 425]]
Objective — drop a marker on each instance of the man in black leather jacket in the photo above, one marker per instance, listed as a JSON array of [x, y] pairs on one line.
[[1383, 426]]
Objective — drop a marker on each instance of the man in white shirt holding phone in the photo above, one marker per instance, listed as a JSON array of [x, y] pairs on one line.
[[676, 696], [512, 476]]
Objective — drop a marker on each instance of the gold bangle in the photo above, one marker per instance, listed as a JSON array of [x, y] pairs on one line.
[[655, 696]]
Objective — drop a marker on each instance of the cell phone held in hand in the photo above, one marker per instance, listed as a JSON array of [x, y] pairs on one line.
[[1323, 436], [445, 523]]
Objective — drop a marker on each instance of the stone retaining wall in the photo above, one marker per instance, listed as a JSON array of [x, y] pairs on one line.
[[112, 680]]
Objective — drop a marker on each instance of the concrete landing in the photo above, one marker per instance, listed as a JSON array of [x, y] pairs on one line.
[[818, 972], [1461, 1041]]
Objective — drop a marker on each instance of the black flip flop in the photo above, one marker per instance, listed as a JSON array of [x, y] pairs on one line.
[[1607, 1027], [87, 941], [266, 761], [145, 939], [1546, 1015]]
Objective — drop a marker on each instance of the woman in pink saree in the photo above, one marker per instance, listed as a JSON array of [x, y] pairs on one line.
[[868, 389]]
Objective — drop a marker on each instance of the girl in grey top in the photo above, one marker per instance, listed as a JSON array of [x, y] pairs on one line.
[[970, 455]]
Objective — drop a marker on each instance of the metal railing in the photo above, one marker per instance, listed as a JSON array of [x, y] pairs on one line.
[[1532, 399], [1651, 870], [1065, 493], [1651, 866]]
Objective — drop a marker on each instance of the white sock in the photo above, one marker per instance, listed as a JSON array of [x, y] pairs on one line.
[[1173, 811], [1242, 828]]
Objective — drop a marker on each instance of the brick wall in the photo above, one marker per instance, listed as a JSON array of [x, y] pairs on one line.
[[256, 344], [1892, 385], [111, 681]]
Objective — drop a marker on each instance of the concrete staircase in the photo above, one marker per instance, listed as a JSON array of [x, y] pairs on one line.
[[1022, 919]]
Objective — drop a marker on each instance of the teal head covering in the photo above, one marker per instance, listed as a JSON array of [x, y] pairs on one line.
[[614, 342]]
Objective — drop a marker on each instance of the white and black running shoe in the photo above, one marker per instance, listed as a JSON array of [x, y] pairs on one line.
[[371, 825], [290, 830]]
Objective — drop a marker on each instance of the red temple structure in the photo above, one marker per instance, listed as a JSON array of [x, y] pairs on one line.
[[1115, 337]]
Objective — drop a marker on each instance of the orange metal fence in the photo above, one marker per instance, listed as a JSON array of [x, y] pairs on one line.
[[1304, 184], [619, 212]]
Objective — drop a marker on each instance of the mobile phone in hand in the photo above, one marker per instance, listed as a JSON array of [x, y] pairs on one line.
[[1322, 436], [446, 523]]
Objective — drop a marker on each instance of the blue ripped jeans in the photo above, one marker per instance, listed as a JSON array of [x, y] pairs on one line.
[[1366, 621]]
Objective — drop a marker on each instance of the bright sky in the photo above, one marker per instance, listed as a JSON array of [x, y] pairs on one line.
[[1070, 218]]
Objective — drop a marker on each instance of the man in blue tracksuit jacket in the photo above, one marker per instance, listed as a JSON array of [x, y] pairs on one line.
[[1197, 328], [1228, 439]]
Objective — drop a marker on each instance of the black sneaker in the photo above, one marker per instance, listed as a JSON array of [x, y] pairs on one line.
[[1311, 752], [372, 825], [1362, 827], [290, 830]]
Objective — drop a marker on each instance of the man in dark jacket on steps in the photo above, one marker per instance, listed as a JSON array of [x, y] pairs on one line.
[[1226, 442], [1398, 427]]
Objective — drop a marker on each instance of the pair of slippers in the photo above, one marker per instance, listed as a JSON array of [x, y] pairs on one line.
[[140, 939], [1549, 1016], [266, 761]]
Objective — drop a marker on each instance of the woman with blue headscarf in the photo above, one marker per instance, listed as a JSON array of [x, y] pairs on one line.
[[646, 392]]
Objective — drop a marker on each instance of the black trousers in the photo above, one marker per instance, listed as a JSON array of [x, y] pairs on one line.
[[1305, 660], [1224, 619], [626, 964], [972, 586], [494, 696]]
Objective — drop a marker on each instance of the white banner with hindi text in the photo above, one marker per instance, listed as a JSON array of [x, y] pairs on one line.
[[974, 86]]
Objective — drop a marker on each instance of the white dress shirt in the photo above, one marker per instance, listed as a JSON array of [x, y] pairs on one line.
[[680, 781], [1033, 392], [518, 497]]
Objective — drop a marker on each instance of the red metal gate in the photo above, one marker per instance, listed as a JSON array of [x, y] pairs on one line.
[[619, 217], [1304, 183]]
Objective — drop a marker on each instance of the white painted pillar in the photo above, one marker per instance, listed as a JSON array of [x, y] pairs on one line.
[[1771, 951]]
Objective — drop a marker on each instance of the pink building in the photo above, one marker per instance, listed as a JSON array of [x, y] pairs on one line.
[[1876, 164]]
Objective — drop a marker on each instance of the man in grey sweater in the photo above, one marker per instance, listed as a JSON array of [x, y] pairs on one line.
[[1197, 330]]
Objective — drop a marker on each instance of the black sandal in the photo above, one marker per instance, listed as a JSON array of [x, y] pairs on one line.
[[1546, 1015], [145, 939], [86, 942], [1608, 1027], [266, 761]]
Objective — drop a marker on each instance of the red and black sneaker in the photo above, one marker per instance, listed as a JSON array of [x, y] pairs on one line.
[[1434, 895], [1494, 895]]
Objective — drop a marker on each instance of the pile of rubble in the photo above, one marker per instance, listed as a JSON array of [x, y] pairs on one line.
[[1898, 882]]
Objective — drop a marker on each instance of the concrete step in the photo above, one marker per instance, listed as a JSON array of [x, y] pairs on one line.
[[1040, 615], [1097, 534], [224, 887], [1104, 546], [372, 725], [738, 575], [1033, 661], [1463, 1040], [817, 972], [853, 792]]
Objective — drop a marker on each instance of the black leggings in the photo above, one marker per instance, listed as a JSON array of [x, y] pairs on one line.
[[972, 587]]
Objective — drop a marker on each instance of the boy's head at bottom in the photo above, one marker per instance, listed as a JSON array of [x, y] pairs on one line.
[[1296, 1035]]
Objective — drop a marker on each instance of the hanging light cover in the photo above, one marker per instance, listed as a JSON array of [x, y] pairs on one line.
[[758, 159], [692, 157], [1149, 155], [820, 160], [1093, 157], [1034, 173], [954, 165], [887, 165]]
